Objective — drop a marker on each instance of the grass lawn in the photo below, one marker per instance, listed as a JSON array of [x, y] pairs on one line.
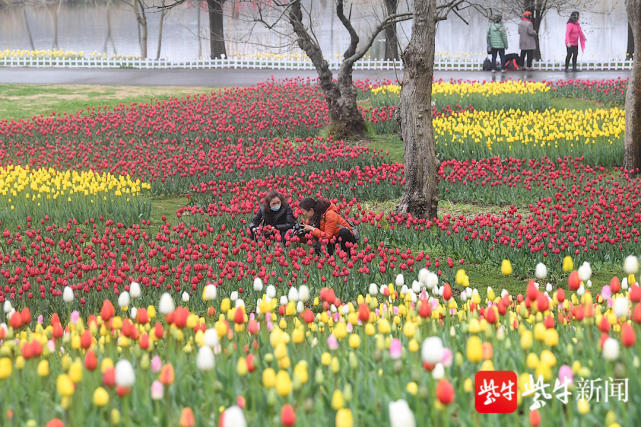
[[26, 101]]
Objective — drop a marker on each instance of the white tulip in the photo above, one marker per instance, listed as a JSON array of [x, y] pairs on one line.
[[125, 376], [205, 360], [432, 280], [400, 280], [541, 271], [209, 293], [631, 264], [548, 287], [283, 300], [185, 296], [7, 306], [233, 417], [611, 349], [438, 372], [585, 272], [404, 290], [123, 299], [166, 304], [300, 307], [258, 284], [432, 350], [292, 295], [621, 306], [423, 275], [624, 283], [581, 290], [400, 414], [133, 312], [233, 296], [67, 295], [373, 289], [271, 291], [211, 338], [416, 286], [303, 293], [239, 303], [134, 290]]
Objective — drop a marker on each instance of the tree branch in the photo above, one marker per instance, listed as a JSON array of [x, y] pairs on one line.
[[353, 37], [389, 21]]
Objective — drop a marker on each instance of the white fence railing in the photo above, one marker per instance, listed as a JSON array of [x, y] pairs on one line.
[[281, 64]]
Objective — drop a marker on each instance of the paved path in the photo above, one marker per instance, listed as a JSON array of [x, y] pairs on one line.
[[243, 77]]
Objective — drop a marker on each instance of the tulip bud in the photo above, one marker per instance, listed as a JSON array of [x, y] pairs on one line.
[[185, 296], [123, 300], [631, 264], [166, 304], [125, 375], [541, 271], [232, 417], [205, 360], [432, 350], [611, 349], [258, 284], [209, 292], [400, 414], [67, 295]]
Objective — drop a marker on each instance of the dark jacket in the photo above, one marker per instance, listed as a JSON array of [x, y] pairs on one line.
[[282, 220]]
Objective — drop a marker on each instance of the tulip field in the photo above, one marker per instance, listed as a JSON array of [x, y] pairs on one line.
[[117, 313]]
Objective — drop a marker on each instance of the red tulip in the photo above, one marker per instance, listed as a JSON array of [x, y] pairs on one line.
[[287, 415], [444, 391]]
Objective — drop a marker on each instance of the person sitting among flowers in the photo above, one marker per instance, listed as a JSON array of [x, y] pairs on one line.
[[274, 214], [324, 222]]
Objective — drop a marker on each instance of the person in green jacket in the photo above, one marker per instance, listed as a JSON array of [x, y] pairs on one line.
[[497, 42]]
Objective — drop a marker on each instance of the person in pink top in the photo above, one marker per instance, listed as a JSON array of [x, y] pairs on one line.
[[573, 35]]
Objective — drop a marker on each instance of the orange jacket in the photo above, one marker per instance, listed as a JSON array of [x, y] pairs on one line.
[[330, 224]]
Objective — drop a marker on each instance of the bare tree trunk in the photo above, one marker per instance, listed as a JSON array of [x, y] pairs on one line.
[[630, 49], [200, 45], [163, 13], [391, 38], [345, 119], [54, 18], [28, 28], [632, 155], [109, 37], [216, 30], [141, 19], [420, 198]]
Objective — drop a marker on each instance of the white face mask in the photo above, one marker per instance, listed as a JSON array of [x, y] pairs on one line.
[[275, 208]]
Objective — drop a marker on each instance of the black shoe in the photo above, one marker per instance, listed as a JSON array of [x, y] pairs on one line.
[[566, 69]]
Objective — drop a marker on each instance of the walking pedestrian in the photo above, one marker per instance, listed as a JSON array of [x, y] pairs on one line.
[[497, 42], [527, 40], [573, 35]]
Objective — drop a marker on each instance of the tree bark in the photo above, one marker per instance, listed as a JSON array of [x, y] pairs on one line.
[[141, 19], [420, 198], [345, 119], [200, 45], [28, 28], [632, 144], [109, 37], [163, 13], [391, 38], [54, 17], [630, 49], [216, 30]]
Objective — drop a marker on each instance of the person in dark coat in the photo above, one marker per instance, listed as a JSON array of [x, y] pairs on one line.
[[527, 39], [274, 213]]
